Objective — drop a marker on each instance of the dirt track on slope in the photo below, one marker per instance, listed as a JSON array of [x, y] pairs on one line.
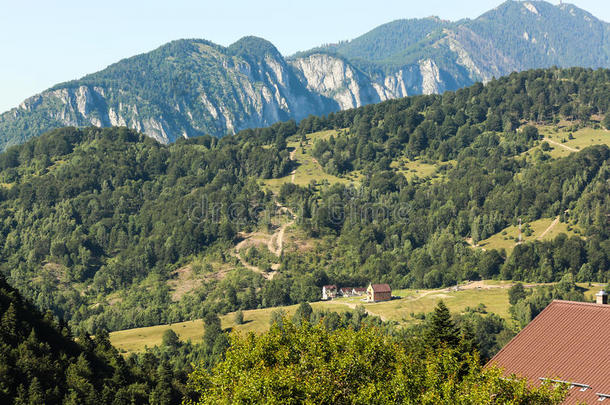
[[274, 242], [560, 145]]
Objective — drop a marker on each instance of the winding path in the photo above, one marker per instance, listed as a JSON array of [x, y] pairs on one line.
[[555, 222], [274, 242], [560, 144]]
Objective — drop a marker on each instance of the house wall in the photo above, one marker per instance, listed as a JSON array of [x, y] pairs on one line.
[[383, 296]]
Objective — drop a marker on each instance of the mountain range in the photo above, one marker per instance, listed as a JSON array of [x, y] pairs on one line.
[[192, 87]]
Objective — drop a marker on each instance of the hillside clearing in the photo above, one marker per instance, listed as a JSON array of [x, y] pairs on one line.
[[542, 229], [308, 170], [417, 168], [561, 144]]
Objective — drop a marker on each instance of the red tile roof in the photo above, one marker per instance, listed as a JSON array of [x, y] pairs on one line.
[[381, 288], [568, 341]]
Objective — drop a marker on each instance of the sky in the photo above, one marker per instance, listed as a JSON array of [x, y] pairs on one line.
[[44, 42]]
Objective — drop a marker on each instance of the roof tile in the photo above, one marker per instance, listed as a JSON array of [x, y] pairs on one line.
[[381, 288]]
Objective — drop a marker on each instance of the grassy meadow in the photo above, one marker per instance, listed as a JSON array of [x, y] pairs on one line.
[[417, 168], [493, 294], [541, 230], [308, 170], [561, 144]]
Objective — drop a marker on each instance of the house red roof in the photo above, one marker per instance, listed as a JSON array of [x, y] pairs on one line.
[[568, 341], [381, 288], [329, 287]]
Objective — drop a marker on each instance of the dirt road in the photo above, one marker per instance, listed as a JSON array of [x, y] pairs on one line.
[[274, 242], [543, 234], [560, 145]]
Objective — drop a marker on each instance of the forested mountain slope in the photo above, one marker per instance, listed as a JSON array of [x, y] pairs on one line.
[[185, 88], [100, 225], [514, 36], [42, 363], [188, 88]]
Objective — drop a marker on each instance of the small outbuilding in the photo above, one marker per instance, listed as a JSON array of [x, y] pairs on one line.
[[378, 292]]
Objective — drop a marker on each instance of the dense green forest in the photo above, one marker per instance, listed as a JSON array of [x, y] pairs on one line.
[[488, 186], [100, 209], [42, 363], [95, 221]]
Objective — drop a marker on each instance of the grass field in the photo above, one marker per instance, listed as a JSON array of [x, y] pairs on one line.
[[412, 168], [582, 138], [308, 170], [505, 238], [493, 294], [255, 320]]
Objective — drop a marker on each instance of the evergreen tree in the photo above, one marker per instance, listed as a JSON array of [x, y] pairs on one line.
[[212, 329], [214, 340], [239, 317], [441, 330]]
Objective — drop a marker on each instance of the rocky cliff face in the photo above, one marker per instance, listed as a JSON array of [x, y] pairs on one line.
[[432, 55], [223, 91], [185, 89], [192, 87], [335, 78]]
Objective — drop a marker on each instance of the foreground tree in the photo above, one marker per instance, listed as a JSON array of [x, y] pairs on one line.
[[309, 364]]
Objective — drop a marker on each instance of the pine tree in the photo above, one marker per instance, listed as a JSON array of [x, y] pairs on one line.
[[239, 317], [215, 341], [35, 392], [162, 394], [78, 378], [9, 322], [212, 329], [441, 328], [170, 339], [468, 341], [516, 293]]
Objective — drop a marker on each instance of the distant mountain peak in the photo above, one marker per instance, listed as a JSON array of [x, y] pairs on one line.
[[252, 46]]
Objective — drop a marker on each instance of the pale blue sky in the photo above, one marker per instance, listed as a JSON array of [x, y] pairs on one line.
[[43, 42]]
